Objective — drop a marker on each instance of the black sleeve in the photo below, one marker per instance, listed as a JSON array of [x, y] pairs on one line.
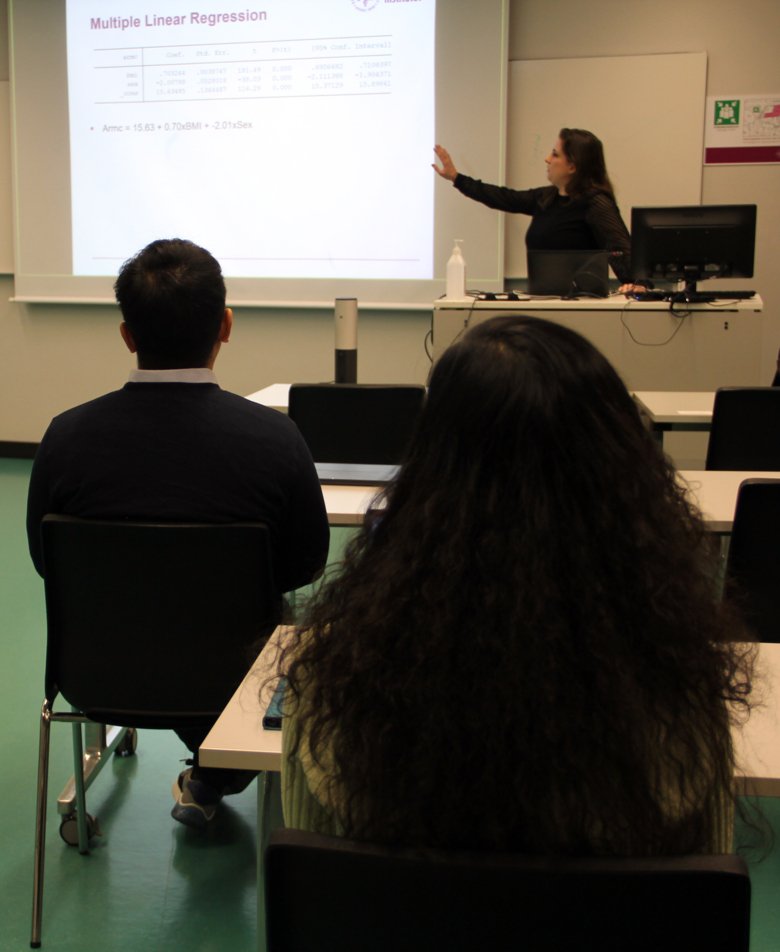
[[605, 222], [303, 547], [503, 199]]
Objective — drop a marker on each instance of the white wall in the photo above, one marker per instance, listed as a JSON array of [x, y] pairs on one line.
[[54, 357], [58, 356]]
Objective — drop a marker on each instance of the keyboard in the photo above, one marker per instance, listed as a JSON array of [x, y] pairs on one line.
[[706, 297], [693, 297], [650, 296]]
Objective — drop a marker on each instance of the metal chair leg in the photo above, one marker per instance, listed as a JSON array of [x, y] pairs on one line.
[[81, 798], [40, 824]]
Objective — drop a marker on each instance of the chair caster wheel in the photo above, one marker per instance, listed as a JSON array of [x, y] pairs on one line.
[[69, 828], [127, 746]]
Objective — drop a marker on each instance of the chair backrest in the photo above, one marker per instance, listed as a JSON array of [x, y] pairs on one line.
[[356, 423], [154, 625], [753, 563], [745, 429], [323, 893]]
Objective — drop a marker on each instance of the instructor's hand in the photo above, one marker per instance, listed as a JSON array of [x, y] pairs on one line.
[[632, 289], [447, 170]]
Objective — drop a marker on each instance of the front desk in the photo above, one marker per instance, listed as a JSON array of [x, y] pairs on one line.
[[711, 346]]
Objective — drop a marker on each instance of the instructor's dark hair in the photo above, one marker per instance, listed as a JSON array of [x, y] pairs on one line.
[[528, 651], [172, 297], [586, 152]]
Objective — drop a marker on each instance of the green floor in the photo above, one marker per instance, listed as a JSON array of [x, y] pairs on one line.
[[149, 884]]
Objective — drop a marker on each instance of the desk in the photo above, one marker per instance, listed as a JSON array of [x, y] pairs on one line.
[[239, 740], [667, 410], [347, 505], [714, 491], [276, 396], [714, 346]]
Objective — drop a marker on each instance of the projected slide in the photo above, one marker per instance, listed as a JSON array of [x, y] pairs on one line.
[[292, 139]]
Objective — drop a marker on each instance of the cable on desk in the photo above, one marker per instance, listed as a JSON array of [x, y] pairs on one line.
[[680, 315], [474, 295]]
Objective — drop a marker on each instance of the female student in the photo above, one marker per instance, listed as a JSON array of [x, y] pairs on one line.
[[528, 650]]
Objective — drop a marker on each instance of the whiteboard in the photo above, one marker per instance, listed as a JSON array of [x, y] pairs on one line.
[[647, 110]]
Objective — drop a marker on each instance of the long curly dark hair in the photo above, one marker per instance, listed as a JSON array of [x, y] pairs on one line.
[[528, 651]]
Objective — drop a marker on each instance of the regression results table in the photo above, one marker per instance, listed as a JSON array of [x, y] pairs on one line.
[[321, 66]]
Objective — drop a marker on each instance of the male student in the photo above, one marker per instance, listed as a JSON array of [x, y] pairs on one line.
[[172, 446]]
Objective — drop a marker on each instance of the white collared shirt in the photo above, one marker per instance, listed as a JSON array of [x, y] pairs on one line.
[[184, 375]]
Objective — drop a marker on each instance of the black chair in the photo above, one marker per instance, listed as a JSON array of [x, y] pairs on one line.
[[753, 562], [745, 430], [356, 423], [148, 626], [324, 893]]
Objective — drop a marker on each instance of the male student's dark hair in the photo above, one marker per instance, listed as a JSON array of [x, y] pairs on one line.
[[172, 298]]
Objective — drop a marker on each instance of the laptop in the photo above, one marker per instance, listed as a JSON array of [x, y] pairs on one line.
[[357, 433], [568, 273]]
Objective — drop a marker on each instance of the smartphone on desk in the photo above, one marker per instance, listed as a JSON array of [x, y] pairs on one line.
[[272, 719]]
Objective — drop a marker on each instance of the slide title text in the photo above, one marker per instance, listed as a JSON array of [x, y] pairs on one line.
[[190, 19]]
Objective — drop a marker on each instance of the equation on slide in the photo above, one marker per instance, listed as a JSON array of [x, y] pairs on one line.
[[328, 66]]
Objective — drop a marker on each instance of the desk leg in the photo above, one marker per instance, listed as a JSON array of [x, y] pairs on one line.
[[269, 817]]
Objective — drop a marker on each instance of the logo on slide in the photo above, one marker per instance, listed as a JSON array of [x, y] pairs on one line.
[[364, 5]]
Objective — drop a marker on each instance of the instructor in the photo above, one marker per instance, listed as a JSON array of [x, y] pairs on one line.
[[577, 210]]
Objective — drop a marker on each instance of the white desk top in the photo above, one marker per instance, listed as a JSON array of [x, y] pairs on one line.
[[757, 743], [677, 406], [238, 739], [347, 505], [715, 493], [615, 302], [276, 396]]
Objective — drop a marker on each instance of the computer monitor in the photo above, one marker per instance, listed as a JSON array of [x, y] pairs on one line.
[[692, 242]]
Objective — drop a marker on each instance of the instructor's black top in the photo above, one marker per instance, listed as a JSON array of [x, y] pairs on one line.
[[560, 222]]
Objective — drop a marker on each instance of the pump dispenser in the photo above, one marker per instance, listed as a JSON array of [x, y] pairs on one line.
[[456, 274]]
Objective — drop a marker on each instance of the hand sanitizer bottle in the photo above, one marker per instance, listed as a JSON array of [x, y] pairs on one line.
[[456, 274]]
